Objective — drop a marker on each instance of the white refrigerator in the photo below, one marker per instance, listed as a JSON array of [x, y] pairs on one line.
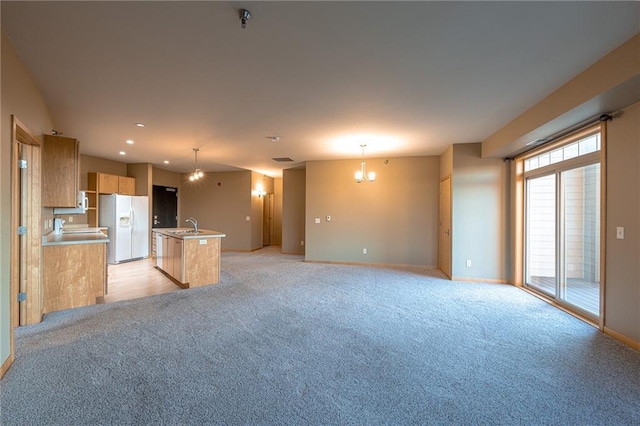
[[127, 218]]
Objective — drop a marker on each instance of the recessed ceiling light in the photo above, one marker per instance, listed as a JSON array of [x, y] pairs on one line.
[[140, 124], [166, 161], [129, 141], [122, 153]]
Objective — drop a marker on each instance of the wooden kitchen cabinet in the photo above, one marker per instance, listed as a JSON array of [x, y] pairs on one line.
[[60, 171], [104, 183], [74, 275], [190, 262], [107, 184], [126, 185]]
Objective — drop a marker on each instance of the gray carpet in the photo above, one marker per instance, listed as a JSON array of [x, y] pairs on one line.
[[280, 341]]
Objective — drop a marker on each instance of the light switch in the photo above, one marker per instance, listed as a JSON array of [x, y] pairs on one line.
[[620, 232], [248, 218], [317, 220]]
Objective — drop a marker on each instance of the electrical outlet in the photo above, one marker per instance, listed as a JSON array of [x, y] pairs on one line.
[[248, 218], [620, 232], [364, 251], [468, 263]]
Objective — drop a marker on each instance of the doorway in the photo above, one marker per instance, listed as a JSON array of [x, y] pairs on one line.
[[165, 207], [267, 219], [563, 229], [25, 283], [444, 229]]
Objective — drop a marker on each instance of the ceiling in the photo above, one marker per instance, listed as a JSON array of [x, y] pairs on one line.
[[404, 78]]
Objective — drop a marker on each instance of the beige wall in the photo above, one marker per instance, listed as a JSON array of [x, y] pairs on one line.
[[142, 172], [612, 81], [622, 291], [395, 218], [166, 178], [221, 202], [90, 164], [480, 225], [293, 210], [20, 97]]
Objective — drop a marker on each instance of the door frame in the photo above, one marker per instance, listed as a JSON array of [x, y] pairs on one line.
[[31, 255], [441, 249], [518, 210]]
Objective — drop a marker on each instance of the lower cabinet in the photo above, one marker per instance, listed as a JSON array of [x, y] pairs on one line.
[[74, 275], [192, 262]]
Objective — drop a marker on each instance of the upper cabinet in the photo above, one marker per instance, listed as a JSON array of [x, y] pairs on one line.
[[103, 183], [107, 184], [126, 185], [60, 171]]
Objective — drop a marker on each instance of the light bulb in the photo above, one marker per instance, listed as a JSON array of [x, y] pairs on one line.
[[191, 178], [371, 176], [200, 174], [359, 176]]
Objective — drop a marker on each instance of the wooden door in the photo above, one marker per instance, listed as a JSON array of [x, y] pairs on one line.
[[444, 232], [164, 207], [267, 219]]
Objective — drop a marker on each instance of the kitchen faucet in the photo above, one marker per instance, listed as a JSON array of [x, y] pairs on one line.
[[193, 222]]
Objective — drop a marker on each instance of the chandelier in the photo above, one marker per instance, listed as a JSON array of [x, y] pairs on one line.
[[362, 175], [197, 173]]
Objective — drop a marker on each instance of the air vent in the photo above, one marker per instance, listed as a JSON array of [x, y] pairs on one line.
[[282, 159]]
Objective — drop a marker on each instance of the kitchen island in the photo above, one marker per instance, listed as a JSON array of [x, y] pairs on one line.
[[75, 268], [189, 258]]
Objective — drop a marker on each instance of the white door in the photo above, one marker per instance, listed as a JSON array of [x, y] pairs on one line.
[[123, 228]]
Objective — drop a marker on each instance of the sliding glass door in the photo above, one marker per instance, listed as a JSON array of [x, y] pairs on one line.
[[562, 224]]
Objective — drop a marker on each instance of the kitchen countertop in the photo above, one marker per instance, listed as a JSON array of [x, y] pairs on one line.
[[75, 236], [187, 233]]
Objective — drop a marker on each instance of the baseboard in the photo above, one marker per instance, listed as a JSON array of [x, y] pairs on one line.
[[375, 265], [480, 280], [622, 338], [5, 365]]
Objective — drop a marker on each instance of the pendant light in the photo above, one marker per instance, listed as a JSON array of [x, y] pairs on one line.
[[362, 175], [197, 173]]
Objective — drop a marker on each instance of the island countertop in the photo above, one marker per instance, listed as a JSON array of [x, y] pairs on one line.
[[188, 233]]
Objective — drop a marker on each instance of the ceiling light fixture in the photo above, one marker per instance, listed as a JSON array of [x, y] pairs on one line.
[[244, 15], [122, 153], [129, 141], [197, 173], [139, 124], [362, 175]]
